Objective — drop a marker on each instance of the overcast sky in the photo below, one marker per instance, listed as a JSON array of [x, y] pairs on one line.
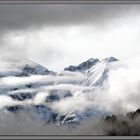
[[57, 36]]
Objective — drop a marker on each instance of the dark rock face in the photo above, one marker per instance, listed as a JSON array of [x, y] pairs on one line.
[[56, 95], [123, 125], [29, 85], [110, 118], [36, 70], [44, 113], [133, 115], [48, 116], [21, 96], [14, 108], [110, 59], [68, 95], [52, 98], [83, 66]]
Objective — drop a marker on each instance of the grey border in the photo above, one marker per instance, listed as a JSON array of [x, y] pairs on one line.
[[70, 137], [13, 2], [38, 2]]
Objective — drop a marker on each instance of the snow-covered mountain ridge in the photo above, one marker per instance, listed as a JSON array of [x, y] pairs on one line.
[[27, 85]]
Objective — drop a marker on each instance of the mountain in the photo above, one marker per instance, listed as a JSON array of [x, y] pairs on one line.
[[32, 87], [83, 66], [98, 73], [110, 59], [23, 68], [36, 69]]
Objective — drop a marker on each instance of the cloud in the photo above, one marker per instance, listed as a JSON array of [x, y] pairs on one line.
[[126, 91], [119, 95], [59, 47], [114, 97], [27, 123], [53, 35], [53, 32], [5, 101], [22, 17]]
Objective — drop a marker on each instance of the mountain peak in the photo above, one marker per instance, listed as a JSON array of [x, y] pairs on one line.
[[110, 59], [92, 59], [30, 67], [24, 67], [83, 66]]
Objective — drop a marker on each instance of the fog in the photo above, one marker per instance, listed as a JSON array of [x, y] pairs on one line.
[[96, 31]]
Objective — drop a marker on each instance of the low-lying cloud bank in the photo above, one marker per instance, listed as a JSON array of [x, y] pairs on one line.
[[118, 95], [27, 123]]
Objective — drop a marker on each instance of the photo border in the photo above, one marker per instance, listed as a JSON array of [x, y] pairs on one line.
[[38, 2]]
